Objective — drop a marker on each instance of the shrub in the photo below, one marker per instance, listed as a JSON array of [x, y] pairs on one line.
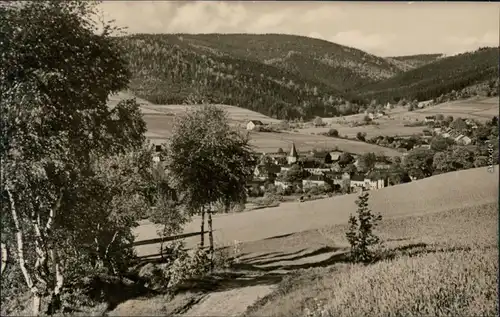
[[333, 133], [360, 233], [188, 266]]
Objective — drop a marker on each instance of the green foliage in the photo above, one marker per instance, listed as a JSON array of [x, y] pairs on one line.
[[360, 233]]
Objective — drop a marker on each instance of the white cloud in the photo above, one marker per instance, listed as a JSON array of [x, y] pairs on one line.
[[207, 17], [470, 43], [357, 39]]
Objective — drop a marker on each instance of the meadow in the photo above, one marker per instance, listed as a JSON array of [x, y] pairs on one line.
[[439, 264], [481, 109], [439, 257], [438, 193], [270, 142], [160, 120]]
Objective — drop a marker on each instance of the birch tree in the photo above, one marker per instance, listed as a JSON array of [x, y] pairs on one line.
[[64, 209], [209, 162]]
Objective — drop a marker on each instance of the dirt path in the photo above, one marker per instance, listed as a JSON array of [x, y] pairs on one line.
[[229, 303]]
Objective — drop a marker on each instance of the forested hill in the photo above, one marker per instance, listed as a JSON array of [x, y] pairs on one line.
[[282, 76], [409, 62], [436, 78]]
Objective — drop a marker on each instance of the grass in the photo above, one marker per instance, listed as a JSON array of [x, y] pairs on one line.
[[160, 121], [441, 264], [270, 142], [441, 192], [481, 109]]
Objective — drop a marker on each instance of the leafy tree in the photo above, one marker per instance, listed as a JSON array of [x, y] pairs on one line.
[[449, 119], [361, 136], [280, 151], [269, 166], [459, 125], [418, 163], [61, 144], [333, 133], [360, 232], [439, 117], [440, 143], [350, 168], [367, 161], [318, 122], [345, 159], [208, 162], [295, 175]]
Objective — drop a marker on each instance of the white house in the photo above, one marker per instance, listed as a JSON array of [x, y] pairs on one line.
[[317, 171], [430, 119], [313, 181], [373, 184], [462, 139], [282, 184], [357, 181], [333, 156], [426, 103], [252, 124]]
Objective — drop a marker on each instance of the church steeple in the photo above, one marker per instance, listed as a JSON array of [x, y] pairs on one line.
[[293, 156], [293, 151]]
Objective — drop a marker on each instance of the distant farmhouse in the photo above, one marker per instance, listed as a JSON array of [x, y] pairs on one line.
[[424, 104], [252, 124], [429, 119]]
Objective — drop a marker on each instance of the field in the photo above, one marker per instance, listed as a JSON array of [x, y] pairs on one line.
[[439, 256], [270, 142], [437, 193], [160, 120], [440, 264], [480, 109]]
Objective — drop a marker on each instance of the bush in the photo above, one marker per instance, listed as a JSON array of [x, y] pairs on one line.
[[188, 266], [333, 133], [360, 233]]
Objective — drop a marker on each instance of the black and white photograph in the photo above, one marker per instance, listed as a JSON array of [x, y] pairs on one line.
[[249, 158]]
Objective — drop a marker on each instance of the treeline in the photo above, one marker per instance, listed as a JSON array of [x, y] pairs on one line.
[[163, 72], [435, 79]]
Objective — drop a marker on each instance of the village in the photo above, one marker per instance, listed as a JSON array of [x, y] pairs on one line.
[[315, 171]]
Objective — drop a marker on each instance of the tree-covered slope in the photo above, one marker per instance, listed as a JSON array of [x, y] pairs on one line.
[[166, 69], [409, 62], [436, 78]]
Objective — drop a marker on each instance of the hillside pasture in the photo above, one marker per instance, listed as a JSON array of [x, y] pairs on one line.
[[439, 264], [448, 191], [270, 142], [393, 124]]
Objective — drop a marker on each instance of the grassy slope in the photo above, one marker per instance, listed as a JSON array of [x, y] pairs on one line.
[[436, 78], [438, 193], [440, 264]]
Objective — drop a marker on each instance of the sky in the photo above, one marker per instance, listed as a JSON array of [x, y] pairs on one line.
[[382, 28]]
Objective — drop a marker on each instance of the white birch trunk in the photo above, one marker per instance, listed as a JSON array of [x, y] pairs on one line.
[[20, 256]]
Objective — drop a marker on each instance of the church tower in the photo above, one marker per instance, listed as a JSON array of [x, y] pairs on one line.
[[293, 156]]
